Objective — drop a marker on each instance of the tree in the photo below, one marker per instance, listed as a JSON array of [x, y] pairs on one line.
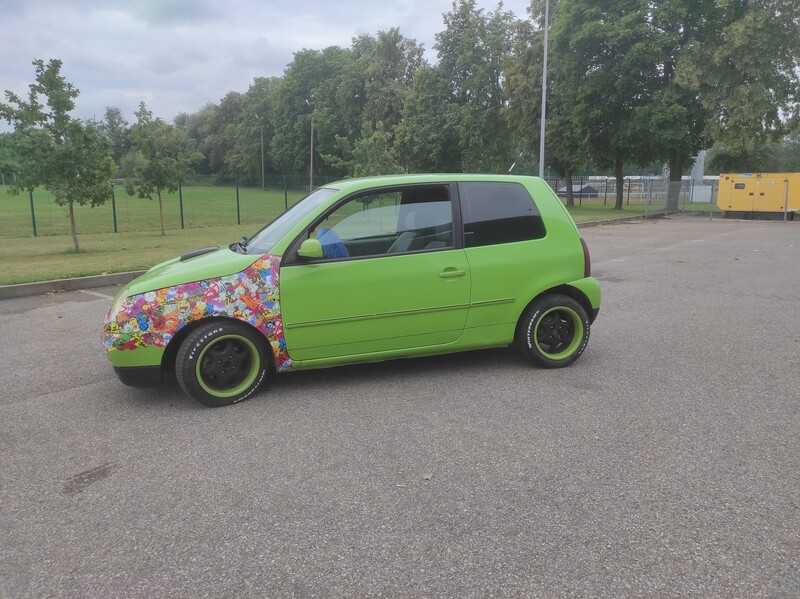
[[782, 157], [8, 161], [160, 158], [198, 129], [220, 145], [388, 62], [471, 52], [564, 144], [54, 150], [745, 71], [318, 85], [255, 129], [372, 154], [607, 56], [523, 84], [116, 129], [425, 140]]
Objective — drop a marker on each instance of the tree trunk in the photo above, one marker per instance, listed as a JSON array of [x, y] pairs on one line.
[[674, 186], [743, 161], [72, 227], [161, 213], [568, 183], [620, 183]]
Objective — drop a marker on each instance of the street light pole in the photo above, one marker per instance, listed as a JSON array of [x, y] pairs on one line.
[[261, 126], [311, 161], [544, 88], [263, 183], [311, 151]]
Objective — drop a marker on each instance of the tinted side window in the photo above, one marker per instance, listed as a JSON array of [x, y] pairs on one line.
[[498, 213]]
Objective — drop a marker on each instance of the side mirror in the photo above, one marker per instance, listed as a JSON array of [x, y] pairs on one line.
[[310, 249]]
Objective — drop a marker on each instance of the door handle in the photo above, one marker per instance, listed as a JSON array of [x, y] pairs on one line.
[[451, 273]]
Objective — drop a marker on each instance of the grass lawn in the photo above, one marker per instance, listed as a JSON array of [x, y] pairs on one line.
[[202, 206], [41, 258], [209, 217]]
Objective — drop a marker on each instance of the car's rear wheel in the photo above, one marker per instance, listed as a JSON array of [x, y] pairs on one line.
[[553, 331], [221, 363]]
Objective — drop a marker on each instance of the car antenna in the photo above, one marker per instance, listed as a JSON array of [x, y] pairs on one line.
[[513, 164]]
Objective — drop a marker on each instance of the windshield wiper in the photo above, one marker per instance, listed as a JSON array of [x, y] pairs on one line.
[[240, 247]]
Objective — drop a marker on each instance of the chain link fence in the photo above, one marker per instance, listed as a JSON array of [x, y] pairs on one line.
[[650, 196]]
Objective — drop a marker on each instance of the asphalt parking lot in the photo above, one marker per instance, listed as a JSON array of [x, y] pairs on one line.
[[664, 463]]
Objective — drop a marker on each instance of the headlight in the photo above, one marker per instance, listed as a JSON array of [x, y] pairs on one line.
[[117, 305]]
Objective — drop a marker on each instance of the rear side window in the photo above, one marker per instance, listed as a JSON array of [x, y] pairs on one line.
[[498, 213]]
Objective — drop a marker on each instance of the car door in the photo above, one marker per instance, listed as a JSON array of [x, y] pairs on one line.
[[391, 278]]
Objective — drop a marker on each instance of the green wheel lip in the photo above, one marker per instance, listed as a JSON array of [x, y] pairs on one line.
[[577, 337], [241, 387]]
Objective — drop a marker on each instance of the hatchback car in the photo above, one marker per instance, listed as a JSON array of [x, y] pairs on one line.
[[364, 270]]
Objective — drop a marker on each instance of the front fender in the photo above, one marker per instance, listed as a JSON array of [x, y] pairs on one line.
[[145, 323]]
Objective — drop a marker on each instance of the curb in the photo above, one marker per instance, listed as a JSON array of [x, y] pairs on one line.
[[42, 287], [77, 283], [621, 221]]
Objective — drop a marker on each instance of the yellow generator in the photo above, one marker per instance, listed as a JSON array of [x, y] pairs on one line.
[[759, 195]]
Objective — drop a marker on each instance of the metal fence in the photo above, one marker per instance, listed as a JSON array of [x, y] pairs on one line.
[[201, 202], [656, 196], [196, 203]]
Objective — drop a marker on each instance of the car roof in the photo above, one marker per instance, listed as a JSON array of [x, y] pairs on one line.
[[349, 185]]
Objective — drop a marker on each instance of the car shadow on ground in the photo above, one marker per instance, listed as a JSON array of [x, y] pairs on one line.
[[412, 368], [169, 395]]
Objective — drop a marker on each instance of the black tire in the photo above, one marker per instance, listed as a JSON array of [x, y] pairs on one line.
[[222, 363], [553, 331]]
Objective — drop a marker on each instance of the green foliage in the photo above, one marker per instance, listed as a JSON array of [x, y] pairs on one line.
[[388, 63], [629, 85], [116, 128], [747, 74], [472, 49], [55, 151], [318, 85], [347, 93], [523, 67], [769, 157], [256, 122], [160, 157], [372, 154], [425, 140], [8, 160]]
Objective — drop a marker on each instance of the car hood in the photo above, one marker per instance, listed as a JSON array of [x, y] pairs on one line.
[[215, 263]]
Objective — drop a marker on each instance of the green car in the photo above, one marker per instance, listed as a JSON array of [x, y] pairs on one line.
[[364, 270]]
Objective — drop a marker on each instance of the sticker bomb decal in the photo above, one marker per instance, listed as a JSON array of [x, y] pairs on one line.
[[153, 318]]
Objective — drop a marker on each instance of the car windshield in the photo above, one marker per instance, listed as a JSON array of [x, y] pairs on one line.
[[262, 242]]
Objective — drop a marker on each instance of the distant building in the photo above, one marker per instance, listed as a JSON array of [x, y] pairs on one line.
[[698, 167]]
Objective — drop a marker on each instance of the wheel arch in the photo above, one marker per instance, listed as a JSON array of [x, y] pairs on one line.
[[569, 291], [171, 351]]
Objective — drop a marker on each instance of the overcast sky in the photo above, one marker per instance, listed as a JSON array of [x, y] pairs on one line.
[[178, 55]]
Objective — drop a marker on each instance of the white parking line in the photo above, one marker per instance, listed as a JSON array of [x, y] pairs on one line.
[[96, 293]]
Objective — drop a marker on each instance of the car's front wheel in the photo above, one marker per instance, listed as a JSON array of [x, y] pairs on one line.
[[221, 363], [553, 331]]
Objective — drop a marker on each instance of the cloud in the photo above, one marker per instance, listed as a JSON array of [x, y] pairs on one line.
[[178, 55]]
